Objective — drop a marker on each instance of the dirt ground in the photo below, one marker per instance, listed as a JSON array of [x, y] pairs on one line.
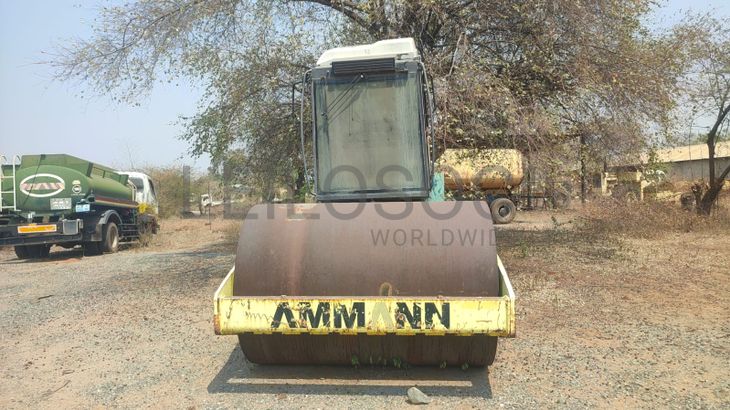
[[602, 322]]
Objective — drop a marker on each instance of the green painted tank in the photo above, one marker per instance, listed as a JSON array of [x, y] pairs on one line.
[[50, 184]]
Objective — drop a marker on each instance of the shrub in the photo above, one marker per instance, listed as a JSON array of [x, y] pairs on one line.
[[647, 219]]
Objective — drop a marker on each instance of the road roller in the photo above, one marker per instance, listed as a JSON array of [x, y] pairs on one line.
[[379, 270]]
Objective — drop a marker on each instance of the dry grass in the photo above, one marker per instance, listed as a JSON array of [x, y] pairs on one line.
[[648, 219], [182, 233], [230, 231], [607, 230], [583, 244]]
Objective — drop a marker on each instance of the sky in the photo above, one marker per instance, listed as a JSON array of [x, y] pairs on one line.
[[39, 115]]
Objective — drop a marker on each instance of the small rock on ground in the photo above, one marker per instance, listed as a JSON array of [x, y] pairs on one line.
[[416, 396]]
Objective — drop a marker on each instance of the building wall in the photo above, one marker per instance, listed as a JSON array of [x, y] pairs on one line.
[[695, 170]]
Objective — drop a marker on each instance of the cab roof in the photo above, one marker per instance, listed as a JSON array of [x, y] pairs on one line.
[[399, 48]]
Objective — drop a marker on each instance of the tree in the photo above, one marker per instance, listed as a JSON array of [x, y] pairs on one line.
[[507, 73], [707, 87], [170, 188]]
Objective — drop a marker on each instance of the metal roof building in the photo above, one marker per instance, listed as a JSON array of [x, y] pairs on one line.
[[691, 162]]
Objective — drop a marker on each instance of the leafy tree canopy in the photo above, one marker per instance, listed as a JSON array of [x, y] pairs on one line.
[[531, 75], [705, 82]]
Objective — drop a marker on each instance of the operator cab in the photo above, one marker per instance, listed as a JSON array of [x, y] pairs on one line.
[[369, 123]]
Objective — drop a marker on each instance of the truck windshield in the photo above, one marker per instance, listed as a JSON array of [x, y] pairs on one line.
[[370, 126], [137, 183]]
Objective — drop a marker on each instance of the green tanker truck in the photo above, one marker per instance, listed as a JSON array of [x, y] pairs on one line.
[[57, 199]]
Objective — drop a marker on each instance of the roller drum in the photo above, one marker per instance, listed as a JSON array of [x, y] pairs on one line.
[[368, 249]]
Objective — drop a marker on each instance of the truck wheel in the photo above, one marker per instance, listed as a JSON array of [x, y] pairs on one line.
[[145, 234], [44, 251], [37, 251], [92, 248], [503, 210], [624, 193], [560, 199], [110, 243], [21, 251]]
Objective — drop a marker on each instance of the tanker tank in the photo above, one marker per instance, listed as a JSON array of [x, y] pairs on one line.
[[47, 184], [488, 169]]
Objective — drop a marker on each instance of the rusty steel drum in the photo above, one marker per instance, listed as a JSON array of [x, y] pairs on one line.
[[368, 249]]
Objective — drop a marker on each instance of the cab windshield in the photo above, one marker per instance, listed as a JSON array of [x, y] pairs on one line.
[[138, 183], [368, 133]]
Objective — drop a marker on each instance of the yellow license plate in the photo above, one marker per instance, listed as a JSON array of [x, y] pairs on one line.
[[36, 228]]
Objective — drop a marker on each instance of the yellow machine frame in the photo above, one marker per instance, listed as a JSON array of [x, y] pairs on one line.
[[375, 315]]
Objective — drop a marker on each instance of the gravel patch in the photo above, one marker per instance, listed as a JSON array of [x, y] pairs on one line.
[[602, 322]]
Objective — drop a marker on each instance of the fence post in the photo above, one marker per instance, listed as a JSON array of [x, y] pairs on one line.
[[186, 190]]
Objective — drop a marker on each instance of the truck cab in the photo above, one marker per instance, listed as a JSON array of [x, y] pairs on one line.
[[144, 189]]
